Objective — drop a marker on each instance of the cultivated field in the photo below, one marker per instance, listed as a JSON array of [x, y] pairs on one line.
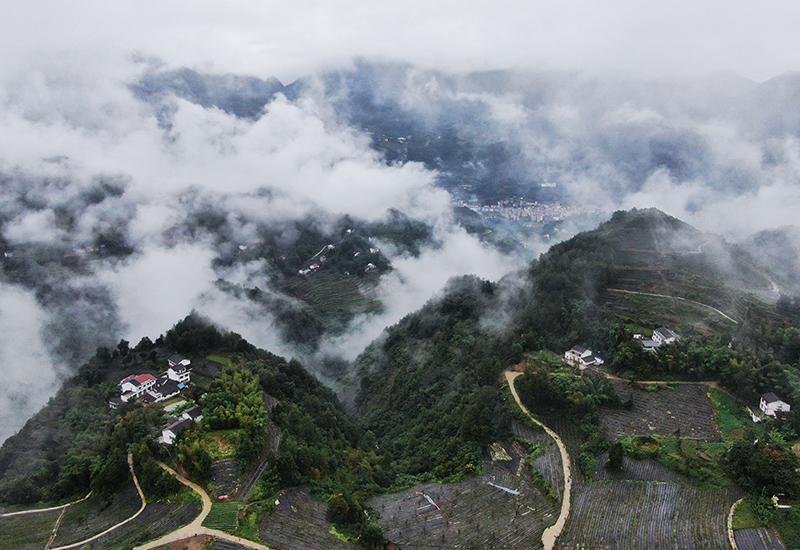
[[621, 515], [86, 519], [663, 411], [638, 470], [28, 531], [496, 510], [758, 539], [299, 523], [157, 520], [225, 475], [548, 463]]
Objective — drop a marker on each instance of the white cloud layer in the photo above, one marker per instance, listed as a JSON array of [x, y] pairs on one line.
[[290, 39]]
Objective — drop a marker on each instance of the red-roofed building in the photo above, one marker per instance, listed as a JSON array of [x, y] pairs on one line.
[[134, 386]]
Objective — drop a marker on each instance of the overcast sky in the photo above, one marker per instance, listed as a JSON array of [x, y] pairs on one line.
[[758, 40]]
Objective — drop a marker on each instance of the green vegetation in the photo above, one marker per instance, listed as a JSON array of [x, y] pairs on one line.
[[224, 516], [729, 412], [27, 531], [745, 516]]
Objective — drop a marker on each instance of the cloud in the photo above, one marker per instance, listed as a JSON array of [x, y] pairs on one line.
[[289, 40], [29, 374]]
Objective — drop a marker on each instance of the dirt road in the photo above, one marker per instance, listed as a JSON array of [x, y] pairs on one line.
[[550, 535], [196, 527]]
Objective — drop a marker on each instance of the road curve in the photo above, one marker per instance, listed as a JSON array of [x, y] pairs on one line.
[[551, 534], [196, 527], [121, 523], [712, 308]]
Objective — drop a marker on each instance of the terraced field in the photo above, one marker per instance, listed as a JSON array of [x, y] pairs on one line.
[[225, 475], [620, 515], [86, 519], [300, 523], [685, 408], [758, 539], [548, 463], [157, 520], [28, 531], [496, 510], [638, 470]]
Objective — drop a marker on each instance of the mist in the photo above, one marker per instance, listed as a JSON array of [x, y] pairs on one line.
[[160, 161]]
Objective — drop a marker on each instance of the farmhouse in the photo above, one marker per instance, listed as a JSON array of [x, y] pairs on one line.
[[771, 404], [148, 389], [581, 356], [664, 335], [177, 425], [134, 386]]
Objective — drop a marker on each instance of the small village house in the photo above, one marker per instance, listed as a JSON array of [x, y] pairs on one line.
[[771, 404], [582, 357]]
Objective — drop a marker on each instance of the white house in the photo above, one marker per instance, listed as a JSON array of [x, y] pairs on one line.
[[771, 404], [579, 355], [135, 386], [169, 433], [178, 361], [664, 335], [179, 374], [177, 425]]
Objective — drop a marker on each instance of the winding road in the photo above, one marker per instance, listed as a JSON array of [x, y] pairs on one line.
[[196, 527], [550, 535], [725, 315]]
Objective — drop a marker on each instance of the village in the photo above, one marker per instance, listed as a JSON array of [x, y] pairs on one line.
[[769, 405], [148, 389]]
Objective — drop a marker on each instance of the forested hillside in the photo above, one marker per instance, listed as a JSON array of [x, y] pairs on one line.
[[429, 388]]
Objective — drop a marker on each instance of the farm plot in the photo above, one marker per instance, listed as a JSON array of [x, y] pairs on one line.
[[619, 515], [758, 539], [664, 411], [224, 516], [496, 510], [157, 520], [220, 544], [638, 470], [86, 519], [28, 531], [548, 463], [300, 523], [225, 475]]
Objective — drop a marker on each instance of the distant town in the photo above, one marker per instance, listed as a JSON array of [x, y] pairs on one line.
[[520, 210]]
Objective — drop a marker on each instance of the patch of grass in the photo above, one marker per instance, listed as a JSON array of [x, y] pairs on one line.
[[788, 524], [729, 412], [224, 516], [219, 443], [690, 457], [27, 531], [251, 519], [745, 517], [224, 361]]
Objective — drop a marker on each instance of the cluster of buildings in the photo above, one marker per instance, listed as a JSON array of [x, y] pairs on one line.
[[661, 336], [519, 210], [146, 388]]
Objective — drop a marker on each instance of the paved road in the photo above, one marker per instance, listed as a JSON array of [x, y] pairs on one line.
[[550, 535]]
